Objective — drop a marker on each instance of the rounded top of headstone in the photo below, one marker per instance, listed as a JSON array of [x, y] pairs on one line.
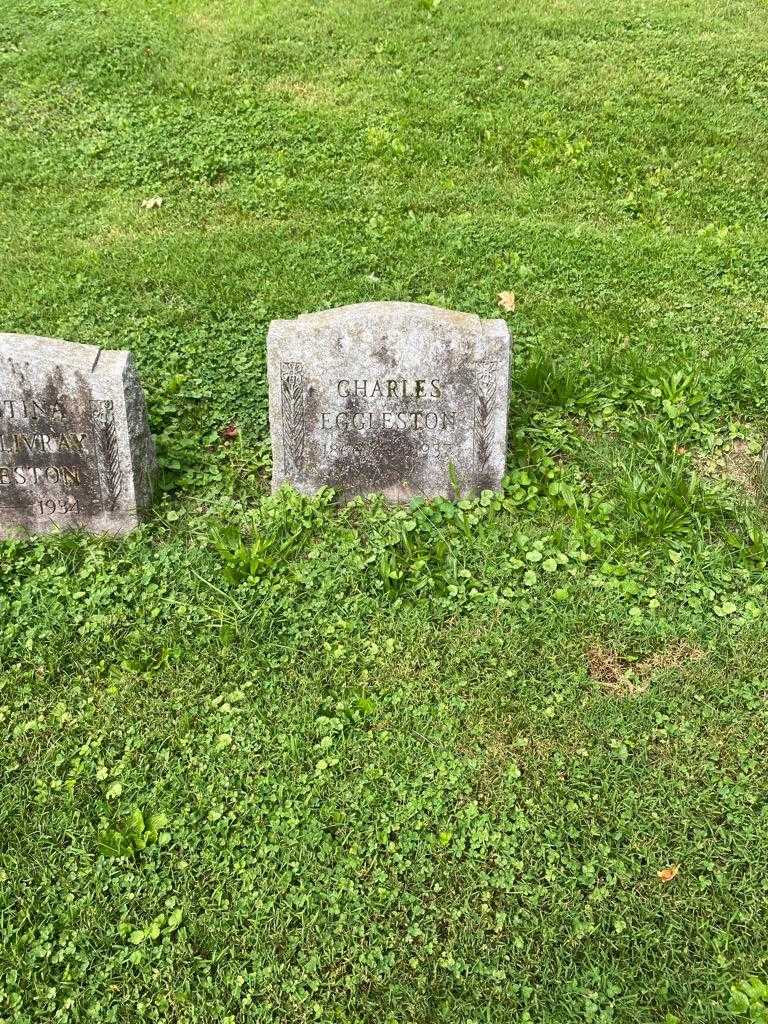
[[397, 312], [400, 330]]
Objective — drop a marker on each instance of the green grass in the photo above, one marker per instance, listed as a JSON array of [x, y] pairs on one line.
[[271, 760]]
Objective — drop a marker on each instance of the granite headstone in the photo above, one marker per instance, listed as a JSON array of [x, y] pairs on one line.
[[395, 398], [75, 446]]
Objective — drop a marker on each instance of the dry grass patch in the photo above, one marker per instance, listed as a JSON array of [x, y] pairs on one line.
[[737, 463], [611, 672], [210, 20], [495, 755], [673, 656], [624, 678], [308, 94]]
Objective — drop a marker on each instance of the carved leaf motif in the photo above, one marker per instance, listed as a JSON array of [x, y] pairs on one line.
[[293, 415], [485, 406], [110, 457]]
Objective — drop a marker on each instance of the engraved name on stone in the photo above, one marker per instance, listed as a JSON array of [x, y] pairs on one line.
[[396, 398], [75, 447]]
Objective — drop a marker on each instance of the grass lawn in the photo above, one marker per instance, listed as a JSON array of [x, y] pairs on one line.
[[272, 760]]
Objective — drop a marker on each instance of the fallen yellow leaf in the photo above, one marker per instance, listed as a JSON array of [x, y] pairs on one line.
[[507, 301], [668, 873]]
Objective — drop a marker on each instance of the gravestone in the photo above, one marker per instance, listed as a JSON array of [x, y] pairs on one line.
[[395, 398], [75, 447]]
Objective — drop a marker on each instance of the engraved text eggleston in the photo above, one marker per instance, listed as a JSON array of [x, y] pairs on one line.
[[389, 397]]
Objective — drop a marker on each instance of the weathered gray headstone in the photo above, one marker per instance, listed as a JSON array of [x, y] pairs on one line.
[[75, 446], [395, 398]]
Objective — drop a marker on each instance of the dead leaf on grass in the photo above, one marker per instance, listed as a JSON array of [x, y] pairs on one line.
[[507, 301], [229, 433], [669, 872], [152, 203]]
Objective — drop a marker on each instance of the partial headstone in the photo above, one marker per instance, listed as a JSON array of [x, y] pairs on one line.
[[75, 446], [393, 398]]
